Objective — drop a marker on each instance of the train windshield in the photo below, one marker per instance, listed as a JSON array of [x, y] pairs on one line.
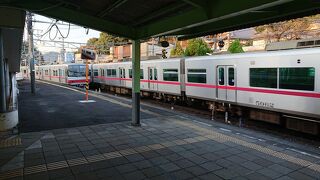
[[76, 71]]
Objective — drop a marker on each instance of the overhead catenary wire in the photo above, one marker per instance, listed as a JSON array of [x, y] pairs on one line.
[[54, 25]]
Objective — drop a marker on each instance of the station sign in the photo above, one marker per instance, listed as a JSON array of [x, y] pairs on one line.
[[88, 54]]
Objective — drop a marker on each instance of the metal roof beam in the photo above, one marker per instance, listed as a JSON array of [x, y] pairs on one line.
[[157, 13], [291, 10], [111, 7], [74, 16], [220, 10], [202, 4]]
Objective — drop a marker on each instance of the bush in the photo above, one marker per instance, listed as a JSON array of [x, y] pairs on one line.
[[177, 51], [197, 47], [235, 47]]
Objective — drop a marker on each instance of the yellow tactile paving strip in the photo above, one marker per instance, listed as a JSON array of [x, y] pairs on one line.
[[204, 134], [10, 142], [224, 138], [96, 158]]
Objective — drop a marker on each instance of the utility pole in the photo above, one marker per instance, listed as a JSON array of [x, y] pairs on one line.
[[62, 52], [31, 53]]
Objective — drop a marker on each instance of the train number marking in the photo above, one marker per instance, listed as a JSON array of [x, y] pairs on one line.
[[265, 104]]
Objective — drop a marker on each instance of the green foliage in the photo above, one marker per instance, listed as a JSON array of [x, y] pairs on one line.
[[235, 47], [104, 42], [177, 51], [197, 47]]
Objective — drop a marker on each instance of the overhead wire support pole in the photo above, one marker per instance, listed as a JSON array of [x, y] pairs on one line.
[[135, 83], [31, 53]]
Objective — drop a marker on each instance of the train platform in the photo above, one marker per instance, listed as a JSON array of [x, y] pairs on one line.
[[63, 139]]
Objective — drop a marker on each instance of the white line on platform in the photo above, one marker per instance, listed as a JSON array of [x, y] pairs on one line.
[[87, 101], [202, 123], [304, 153], [103, 98], [247, 136], [223, 129]]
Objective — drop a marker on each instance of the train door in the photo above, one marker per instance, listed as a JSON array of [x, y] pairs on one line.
[[42, 74], [226, 83], [50, 74], [65, 74], [122, 76], [152, 78], [60, 75]]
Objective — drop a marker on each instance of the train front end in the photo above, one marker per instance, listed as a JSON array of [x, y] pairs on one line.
[[77, 75]]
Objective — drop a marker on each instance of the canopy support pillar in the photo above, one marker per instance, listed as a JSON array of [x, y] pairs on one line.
[[135, 83], [3, 104]]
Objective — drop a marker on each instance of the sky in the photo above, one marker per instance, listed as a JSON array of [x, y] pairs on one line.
[[77, 34]]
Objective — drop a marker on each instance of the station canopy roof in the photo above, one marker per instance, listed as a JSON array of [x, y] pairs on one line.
[[141, 19]]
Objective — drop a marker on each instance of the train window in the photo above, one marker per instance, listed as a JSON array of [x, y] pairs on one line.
[[150, 74], [111, 72], [155, 74], [231, 76], [170, 75], [102, 72], [197, 75], [82, 71], [123, 73], [221, 75], [76, 70], [141, 73], [297, 78], [114, 72], [95, 72], [263, 77]]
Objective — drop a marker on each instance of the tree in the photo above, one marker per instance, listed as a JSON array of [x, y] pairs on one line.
[[235, 47], [104, 42], [25, 53], [286, 30], [197, 47], [177, 51]]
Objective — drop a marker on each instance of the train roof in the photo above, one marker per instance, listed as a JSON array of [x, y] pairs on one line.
[[258, 54], [56, 65], [148, 61], [234, 56]]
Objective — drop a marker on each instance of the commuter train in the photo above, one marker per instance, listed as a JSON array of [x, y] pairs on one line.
[[71, 74], [280, 87]]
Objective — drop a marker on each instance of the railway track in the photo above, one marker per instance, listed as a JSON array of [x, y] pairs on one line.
[[204, 113]]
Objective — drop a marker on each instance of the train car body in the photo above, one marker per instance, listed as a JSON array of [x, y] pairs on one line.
[[72, 74], [160, 76], [283, 81], [266, 86], [24, 70], [280, 87]]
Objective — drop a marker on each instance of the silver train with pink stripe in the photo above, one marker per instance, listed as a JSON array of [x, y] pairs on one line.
[[71, 74], [280, 87]]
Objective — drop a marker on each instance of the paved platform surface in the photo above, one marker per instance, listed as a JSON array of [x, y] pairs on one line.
[[54, 107], [166, 146]]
